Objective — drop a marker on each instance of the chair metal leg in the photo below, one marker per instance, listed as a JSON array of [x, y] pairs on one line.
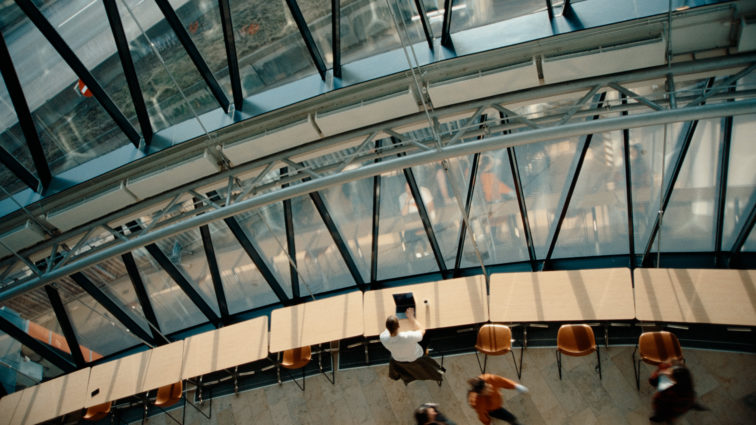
[[559, 363], [519, 371], [332, 379], [598, 357], [636, 369], [485, 361]]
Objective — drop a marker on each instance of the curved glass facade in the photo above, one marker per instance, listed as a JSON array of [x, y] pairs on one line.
[[314, 213]]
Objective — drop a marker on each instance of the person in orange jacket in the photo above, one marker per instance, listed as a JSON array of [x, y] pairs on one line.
[[485, 398]]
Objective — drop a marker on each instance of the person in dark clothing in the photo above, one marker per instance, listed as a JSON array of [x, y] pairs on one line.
[[674, 393], [428, 414]]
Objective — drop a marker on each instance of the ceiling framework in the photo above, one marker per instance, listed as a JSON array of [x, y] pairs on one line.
[[78, 262]]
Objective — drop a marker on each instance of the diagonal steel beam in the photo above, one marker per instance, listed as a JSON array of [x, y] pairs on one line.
[[628, 190], [254, 255], [78, 68], [25, 121], [60, 360], [519, 191], [338, 240], [233, 62], [424, 20], [550, 9], [65, 325], [446, 40], [745, 231], [296, 13], [570, 189], [686, 135], [19, 170], [176, 274], [141, 293], [425, 218], [724, 165], [631, 94], [376, 219], [113, 308], [336, 36], [468, 206], [122, 44], [194, 54], [291, 243], [212, 263]]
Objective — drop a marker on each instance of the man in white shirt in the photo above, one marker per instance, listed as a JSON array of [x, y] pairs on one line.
[[404, 346], [408, 359]]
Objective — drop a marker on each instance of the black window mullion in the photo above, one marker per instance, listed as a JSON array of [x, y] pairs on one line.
[[19, 170], [745, 231], [233, 62], [567, 195], [215, 276], [724, 163], [141, 293], [336, 36], [186, 286], [628, 189], [113, 308], [65, 325], [325, 215], [376, 219], [296, 13], [550, 9], [60, 360], [194, 54], [122, 44], [424, 20], [254, 255], [292, 248], [468, 206], [523, 208], [26, 122], [79, 69], [424, 217], [446, 40]]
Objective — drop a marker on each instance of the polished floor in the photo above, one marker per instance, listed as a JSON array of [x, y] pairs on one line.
[[725, 382]]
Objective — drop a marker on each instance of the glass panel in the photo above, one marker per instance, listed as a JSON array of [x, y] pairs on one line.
[[596, 220], [648, 151], [96, 328], [173, 308], [266, 230], [444, 213], [544, 169], [21, 367], [741, 178], [187, 253], [403, 247], [367, 29], [12, 140], [688, 222], [750, 244], [269, 47], [201, 18], [72, 126], [351, 207], [244, 286], [172, 87], [494, 214], [319, 263], [475, 13], [317, 14]]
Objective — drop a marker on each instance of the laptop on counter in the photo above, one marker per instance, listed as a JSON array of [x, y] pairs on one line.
[[403, 301]]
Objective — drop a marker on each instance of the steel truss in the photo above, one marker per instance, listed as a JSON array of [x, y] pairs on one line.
[[97, 241]]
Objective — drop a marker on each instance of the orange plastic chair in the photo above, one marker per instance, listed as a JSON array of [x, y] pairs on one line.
[[495, 340], [169, 394], [655, 348], [296, 358], [97, 412], [576, 341]]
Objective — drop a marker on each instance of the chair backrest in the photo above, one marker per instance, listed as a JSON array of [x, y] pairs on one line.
[[169, 394], [494, 339], [97, 412], [576, 340], [296, 357], [659, 347]]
